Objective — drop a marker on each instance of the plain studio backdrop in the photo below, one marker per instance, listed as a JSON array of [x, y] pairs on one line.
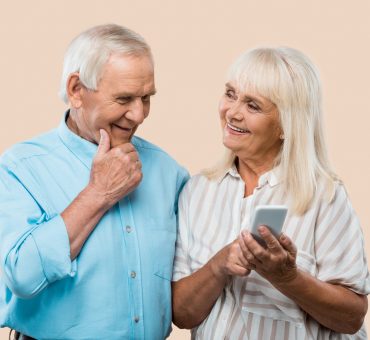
[[193, 43]]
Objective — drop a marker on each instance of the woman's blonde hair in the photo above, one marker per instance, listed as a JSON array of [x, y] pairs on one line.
[[287, 78]]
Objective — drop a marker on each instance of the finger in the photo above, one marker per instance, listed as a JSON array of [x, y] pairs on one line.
[[127, 154], [256, 250], [242, 259], [126, 148], [104, 143], [138, 164], [240, 270], [272, 243], [252, 261], [288, 245], [242, 245]]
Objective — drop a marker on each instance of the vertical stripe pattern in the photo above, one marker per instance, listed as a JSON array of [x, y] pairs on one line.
[[329, 242]]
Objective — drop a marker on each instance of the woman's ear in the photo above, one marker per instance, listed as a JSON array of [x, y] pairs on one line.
[[74, 90]]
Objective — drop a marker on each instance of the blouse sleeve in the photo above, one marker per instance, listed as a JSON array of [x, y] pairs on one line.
[[181, 263], [339, 245]]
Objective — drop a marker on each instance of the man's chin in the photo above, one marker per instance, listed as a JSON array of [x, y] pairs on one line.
[[120, 141]]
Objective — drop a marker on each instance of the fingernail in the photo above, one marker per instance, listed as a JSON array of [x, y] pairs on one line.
[[261, 229], [283, 237]]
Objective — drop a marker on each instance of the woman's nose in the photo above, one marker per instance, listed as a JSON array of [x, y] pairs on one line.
[[234, 111]]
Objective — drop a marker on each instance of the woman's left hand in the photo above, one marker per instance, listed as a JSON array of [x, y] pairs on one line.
[[277, 262]]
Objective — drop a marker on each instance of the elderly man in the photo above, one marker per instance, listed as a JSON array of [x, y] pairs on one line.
[[88, 210]]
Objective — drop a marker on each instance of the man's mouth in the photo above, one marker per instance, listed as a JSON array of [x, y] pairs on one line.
[[123, 128], [236, 129]]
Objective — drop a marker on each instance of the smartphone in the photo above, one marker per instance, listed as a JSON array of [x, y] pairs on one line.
[[272, 216]]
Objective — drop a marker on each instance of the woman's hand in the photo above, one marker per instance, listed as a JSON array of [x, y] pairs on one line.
[[277, 262], [193, 296], [230, 261]]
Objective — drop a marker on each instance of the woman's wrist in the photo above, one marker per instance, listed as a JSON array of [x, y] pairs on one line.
[[216, 271]]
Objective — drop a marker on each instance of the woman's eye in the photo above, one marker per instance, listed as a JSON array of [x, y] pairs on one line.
[[253, 107], [230, 94]]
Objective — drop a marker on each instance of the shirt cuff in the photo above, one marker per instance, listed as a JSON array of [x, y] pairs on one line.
[[52, 241]]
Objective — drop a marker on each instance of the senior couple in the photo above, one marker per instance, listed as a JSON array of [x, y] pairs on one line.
[[90, 213]]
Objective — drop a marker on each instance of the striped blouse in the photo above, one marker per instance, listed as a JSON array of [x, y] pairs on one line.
[[328, 238]]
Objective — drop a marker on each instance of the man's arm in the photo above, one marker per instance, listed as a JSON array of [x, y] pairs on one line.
[[114, 174], [36, 249]]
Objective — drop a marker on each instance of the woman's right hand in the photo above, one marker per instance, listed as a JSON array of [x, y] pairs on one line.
[[230, 261]]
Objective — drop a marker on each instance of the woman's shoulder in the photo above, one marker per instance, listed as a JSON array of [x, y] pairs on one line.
[[333, 195], [198, 180], [197, 184]]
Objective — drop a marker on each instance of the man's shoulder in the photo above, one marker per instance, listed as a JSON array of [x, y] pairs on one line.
[[145, 147], [40, 145]]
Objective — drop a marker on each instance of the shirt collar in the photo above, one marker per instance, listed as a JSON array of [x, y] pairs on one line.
[[271, 177], [81, 148]]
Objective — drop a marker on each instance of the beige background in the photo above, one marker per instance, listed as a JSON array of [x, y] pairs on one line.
[[193, 43]]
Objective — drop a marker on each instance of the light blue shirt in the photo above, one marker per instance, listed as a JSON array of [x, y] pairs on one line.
[[119, 286]]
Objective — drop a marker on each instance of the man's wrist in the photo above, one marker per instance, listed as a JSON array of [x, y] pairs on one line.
[[95, 198]]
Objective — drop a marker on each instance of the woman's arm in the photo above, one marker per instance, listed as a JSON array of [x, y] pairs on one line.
[[334, 306], [194, 296]]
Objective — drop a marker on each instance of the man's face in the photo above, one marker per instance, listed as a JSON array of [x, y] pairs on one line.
[[120, 103]]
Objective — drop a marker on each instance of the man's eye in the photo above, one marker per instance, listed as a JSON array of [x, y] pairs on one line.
[[123, 100], [145, 99]]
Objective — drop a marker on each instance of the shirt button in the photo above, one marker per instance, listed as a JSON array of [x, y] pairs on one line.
[[136, 319], [128, 229], [133, 274]]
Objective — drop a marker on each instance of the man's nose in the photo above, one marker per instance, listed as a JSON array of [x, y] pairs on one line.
[[136, 111]]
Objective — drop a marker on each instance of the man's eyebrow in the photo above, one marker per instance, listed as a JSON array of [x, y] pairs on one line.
[[152, 93], [129, 94]]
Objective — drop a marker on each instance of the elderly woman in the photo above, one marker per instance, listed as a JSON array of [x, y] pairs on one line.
[[309, 283]]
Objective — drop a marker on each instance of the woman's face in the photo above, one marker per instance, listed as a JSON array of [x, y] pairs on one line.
[[250, 124]]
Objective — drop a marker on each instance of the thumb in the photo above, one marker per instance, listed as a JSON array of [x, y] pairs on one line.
[[104, 143]]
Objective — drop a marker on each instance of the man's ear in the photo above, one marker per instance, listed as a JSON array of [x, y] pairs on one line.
[[74, 90]]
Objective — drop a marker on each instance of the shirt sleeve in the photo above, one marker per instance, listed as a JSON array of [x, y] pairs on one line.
[[181, 263], [34, 247], [182, 178], [339, 245]]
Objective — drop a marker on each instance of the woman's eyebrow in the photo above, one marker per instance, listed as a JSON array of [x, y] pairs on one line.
[[229, 86]]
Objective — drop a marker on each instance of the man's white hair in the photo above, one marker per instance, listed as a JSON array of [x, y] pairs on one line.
[[288, 78], [90, 50]]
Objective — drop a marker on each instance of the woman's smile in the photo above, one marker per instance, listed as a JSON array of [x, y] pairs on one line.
[[236, 130]]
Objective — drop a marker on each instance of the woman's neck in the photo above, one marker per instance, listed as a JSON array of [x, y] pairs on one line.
[[250, 172]]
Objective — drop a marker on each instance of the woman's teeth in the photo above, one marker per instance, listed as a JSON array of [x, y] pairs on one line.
[[236, 129]]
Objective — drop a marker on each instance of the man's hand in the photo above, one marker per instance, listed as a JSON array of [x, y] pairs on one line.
[[115, 172]]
